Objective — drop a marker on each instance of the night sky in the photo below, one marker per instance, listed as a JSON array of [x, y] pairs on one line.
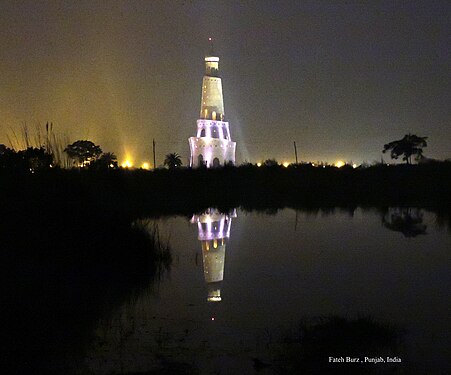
[[341, 78]]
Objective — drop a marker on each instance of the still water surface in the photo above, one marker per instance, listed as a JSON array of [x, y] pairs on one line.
[[240, 284]]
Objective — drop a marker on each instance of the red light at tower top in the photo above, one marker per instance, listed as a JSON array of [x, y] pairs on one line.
[[210, 40]]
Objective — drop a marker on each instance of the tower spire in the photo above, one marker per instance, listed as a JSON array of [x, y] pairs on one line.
[[212, 49]]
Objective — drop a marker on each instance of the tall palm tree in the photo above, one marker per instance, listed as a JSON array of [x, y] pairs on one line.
[[173, 160]]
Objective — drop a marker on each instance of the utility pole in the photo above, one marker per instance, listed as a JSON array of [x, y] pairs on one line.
[[295, 152], [154, 163]]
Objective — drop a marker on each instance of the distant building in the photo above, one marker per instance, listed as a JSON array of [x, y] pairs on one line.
[[213, 232], [212, 146]]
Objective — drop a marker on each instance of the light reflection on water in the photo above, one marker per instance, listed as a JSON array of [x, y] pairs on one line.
[[260, 276], [213, 232]]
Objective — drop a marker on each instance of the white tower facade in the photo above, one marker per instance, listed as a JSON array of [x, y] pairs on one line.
[[212, 146]]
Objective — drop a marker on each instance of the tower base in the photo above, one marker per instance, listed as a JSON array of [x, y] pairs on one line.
[[211, 152]]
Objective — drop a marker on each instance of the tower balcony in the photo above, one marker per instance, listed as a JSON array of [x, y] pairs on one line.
[[213, 129], [212, 66]]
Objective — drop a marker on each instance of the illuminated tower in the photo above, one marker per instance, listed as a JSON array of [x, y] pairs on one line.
[[214, 229], [213, 146]]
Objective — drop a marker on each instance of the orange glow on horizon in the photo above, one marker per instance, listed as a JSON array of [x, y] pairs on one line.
[[127, 164]]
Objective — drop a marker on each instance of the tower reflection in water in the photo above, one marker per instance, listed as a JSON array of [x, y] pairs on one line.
[[213, 232]]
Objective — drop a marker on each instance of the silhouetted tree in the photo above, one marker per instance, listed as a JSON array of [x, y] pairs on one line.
[[270, 163], [173, 160], [408, 146], [84, 152], [9, 159], [37, 158], [32, 159], [106, 161]]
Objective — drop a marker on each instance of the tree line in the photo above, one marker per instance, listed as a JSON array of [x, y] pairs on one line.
[[85, 154]]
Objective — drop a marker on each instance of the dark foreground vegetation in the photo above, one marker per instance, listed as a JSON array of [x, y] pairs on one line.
[[135, 192], [64, 267], [38, 175]]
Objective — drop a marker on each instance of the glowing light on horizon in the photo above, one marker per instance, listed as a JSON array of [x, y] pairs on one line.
[[354, 165], [145, 165], [259, 164], [127, 164], [339, 164], [286, 164]]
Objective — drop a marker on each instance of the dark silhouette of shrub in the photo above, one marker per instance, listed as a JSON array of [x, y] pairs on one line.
[[106, 161], [28, 160]]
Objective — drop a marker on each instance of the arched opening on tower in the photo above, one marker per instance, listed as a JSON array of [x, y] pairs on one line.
[[216, 163], [225, 133], [202, 133]]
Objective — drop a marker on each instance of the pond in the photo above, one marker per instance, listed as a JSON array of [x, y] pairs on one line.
[[269, 292], [240, 283]]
